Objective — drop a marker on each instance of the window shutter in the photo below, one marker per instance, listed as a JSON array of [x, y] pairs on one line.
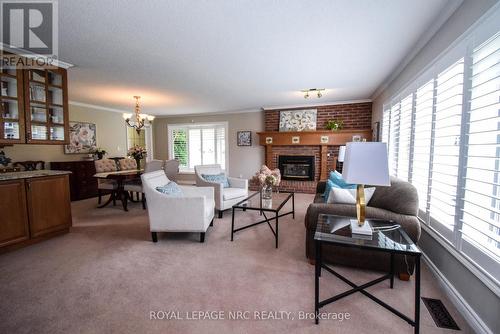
[[446, 148], [404, 137], [394, 138], [180, 147], [481, 211], [422, 142]]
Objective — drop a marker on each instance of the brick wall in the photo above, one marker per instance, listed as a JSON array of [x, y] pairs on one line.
[[354, 115]]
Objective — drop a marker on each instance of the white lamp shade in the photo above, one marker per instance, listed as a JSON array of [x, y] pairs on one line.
[[341, 154], [366, 163]]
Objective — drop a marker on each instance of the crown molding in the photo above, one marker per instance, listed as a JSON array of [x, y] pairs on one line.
[[217, 113], [443, 16], [333, 103]]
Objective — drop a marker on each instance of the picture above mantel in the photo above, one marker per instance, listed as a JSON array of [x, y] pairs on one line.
[[313, 138]]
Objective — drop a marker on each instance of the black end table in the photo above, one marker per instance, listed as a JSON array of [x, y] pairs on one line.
[[273, 206], [387, 237]]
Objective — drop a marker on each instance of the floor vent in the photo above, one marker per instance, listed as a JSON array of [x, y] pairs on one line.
[[440, 314]]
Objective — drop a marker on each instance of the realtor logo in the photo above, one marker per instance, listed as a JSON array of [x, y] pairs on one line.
[[29, 27]]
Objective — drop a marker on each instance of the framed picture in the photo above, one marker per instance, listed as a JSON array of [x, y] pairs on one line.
[[82, 138], [298, 120], [244, 138]]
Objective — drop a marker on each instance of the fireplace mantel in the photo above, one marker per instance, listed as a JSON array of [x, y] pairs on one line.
[[321, 138], [315, 138]]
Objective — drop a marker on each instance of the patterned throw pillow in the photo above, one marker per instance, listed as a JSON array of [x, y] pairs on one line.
[[217, 178], [170, 188]]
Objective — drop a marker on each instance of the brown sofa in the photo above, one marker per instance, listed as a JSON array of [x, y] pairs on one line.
[[398, 202]]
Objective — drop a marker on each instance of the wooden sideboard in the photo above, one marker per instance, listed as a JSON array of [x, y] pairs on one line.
[[33, 209], [82, 182]]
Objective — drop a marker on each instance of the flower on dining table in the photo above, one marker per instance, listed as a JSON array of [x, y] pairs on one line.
[[137, 152]]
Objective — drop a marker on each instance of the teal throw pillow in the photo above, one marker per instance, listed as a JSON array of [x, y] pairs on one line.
[[170, 188], [337, 179], [217, 178]]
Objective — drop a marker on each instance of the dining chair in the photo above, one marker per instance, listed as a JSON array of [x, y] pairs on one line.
[[132, 186], [153, 165], [103, 166]]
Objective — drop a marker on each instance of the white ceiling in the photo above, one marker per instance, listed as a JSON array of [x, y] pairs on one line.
[[194, 56]]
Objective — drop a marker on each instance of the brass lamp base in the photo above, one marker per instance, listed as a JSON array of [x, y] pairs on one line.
[[360, 204]]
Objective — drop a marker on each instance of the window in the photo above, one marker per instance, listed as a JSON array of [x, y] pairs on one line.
[[443, 135], [198, 144]]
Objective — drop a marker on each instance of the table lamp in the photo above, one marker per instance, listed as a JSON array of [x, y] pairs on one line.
[[365, 163]]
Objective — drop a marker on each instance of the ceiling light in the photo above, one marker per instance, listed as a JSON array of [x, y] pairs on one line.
[[141, 120], [313, 90]]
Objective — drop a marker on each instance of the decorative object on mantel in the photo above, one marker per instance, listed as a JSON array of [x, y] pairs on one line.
[[140, 120], [244, 138], [269, 140], [356, 138], [298, 120], [335, 125], [309, 91], [99, 153], [295, 140], [138, 153], [82, 138], [3, 159]]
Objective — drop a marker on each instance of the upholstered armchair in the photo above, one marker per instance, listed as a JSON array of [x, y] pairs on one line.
[[191, 211], [171, 169], [104, 166], [225, 198]]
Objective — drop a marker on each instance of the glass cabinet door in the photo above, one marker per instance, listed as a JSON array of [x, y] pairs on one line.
[[11, 106], [46, 106]]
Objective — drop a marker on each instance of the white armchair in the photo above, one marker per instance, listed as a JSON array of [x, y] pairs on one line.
[[193, 211], [225, 198]]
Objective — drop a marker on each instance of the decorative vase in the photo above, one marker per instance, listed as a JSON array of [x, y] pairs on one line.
[[267, 192], [138, 161]]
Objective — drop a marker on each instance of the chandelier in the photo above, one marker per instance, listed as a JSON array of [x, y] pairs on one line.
[[313, 90], [140, 120]]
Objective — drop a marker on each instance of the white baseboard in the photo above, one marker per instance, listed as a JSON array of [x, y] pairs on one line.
[[458, 301]]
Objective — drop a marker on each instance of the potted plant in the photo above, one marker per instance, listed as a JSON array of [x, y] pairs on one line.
[[99, 153], [138, 153], [335, 125]]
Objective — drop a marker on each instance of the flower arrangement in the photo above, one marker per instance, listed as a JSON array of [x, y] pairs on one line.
[[270, 180], [99, 152], [137, 152], [335, 125]]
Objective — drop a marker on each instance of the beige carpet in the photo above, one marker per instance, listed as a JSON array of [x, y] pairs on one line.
[[106, 276]]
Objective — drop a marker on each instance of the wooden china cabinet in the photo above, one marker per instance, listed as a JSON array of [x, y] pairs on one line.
[[34, 106]]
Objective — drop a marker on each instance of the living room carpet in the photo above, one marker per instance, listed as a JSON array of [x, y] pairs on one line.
[[106, 276]]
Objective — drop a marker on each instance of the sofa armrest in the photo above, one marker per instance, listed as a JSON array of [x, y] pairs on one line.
[[217, 187], [238, 183], [320, 187]]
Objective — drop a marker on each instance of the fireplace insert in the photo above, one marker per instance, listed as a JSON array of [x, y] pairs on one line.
[[296, 167]]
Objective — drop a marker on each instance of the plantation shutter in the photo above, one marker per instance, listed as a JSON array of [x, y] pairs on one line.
[[481, 211], [404, 137]]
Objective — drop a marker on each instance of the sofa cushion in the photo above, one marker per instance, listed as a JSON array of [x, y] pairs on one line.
[[171, 189], [347, 196], [328, 186], [232, 193], [216, 178], [400, 197]]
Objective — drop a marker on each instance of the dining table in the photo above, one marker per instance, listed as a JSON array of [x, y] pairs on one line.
[[120, 177]]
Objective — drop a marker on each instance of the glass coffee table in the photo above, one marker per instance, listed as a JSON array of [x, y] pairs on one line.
[[387, 237], [271, 209]]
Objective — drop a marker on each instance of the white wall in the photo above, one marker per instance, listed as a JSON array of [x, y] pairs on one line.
[[243, 161]]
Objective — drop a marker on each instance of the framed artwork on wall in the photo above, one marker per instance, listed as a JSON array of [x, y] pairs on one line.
[[82, 138], [244, 138], [298, 120]]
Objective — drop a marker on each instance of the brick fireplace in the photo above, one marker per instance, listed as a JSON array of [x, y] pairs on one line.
[[357, 120]]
